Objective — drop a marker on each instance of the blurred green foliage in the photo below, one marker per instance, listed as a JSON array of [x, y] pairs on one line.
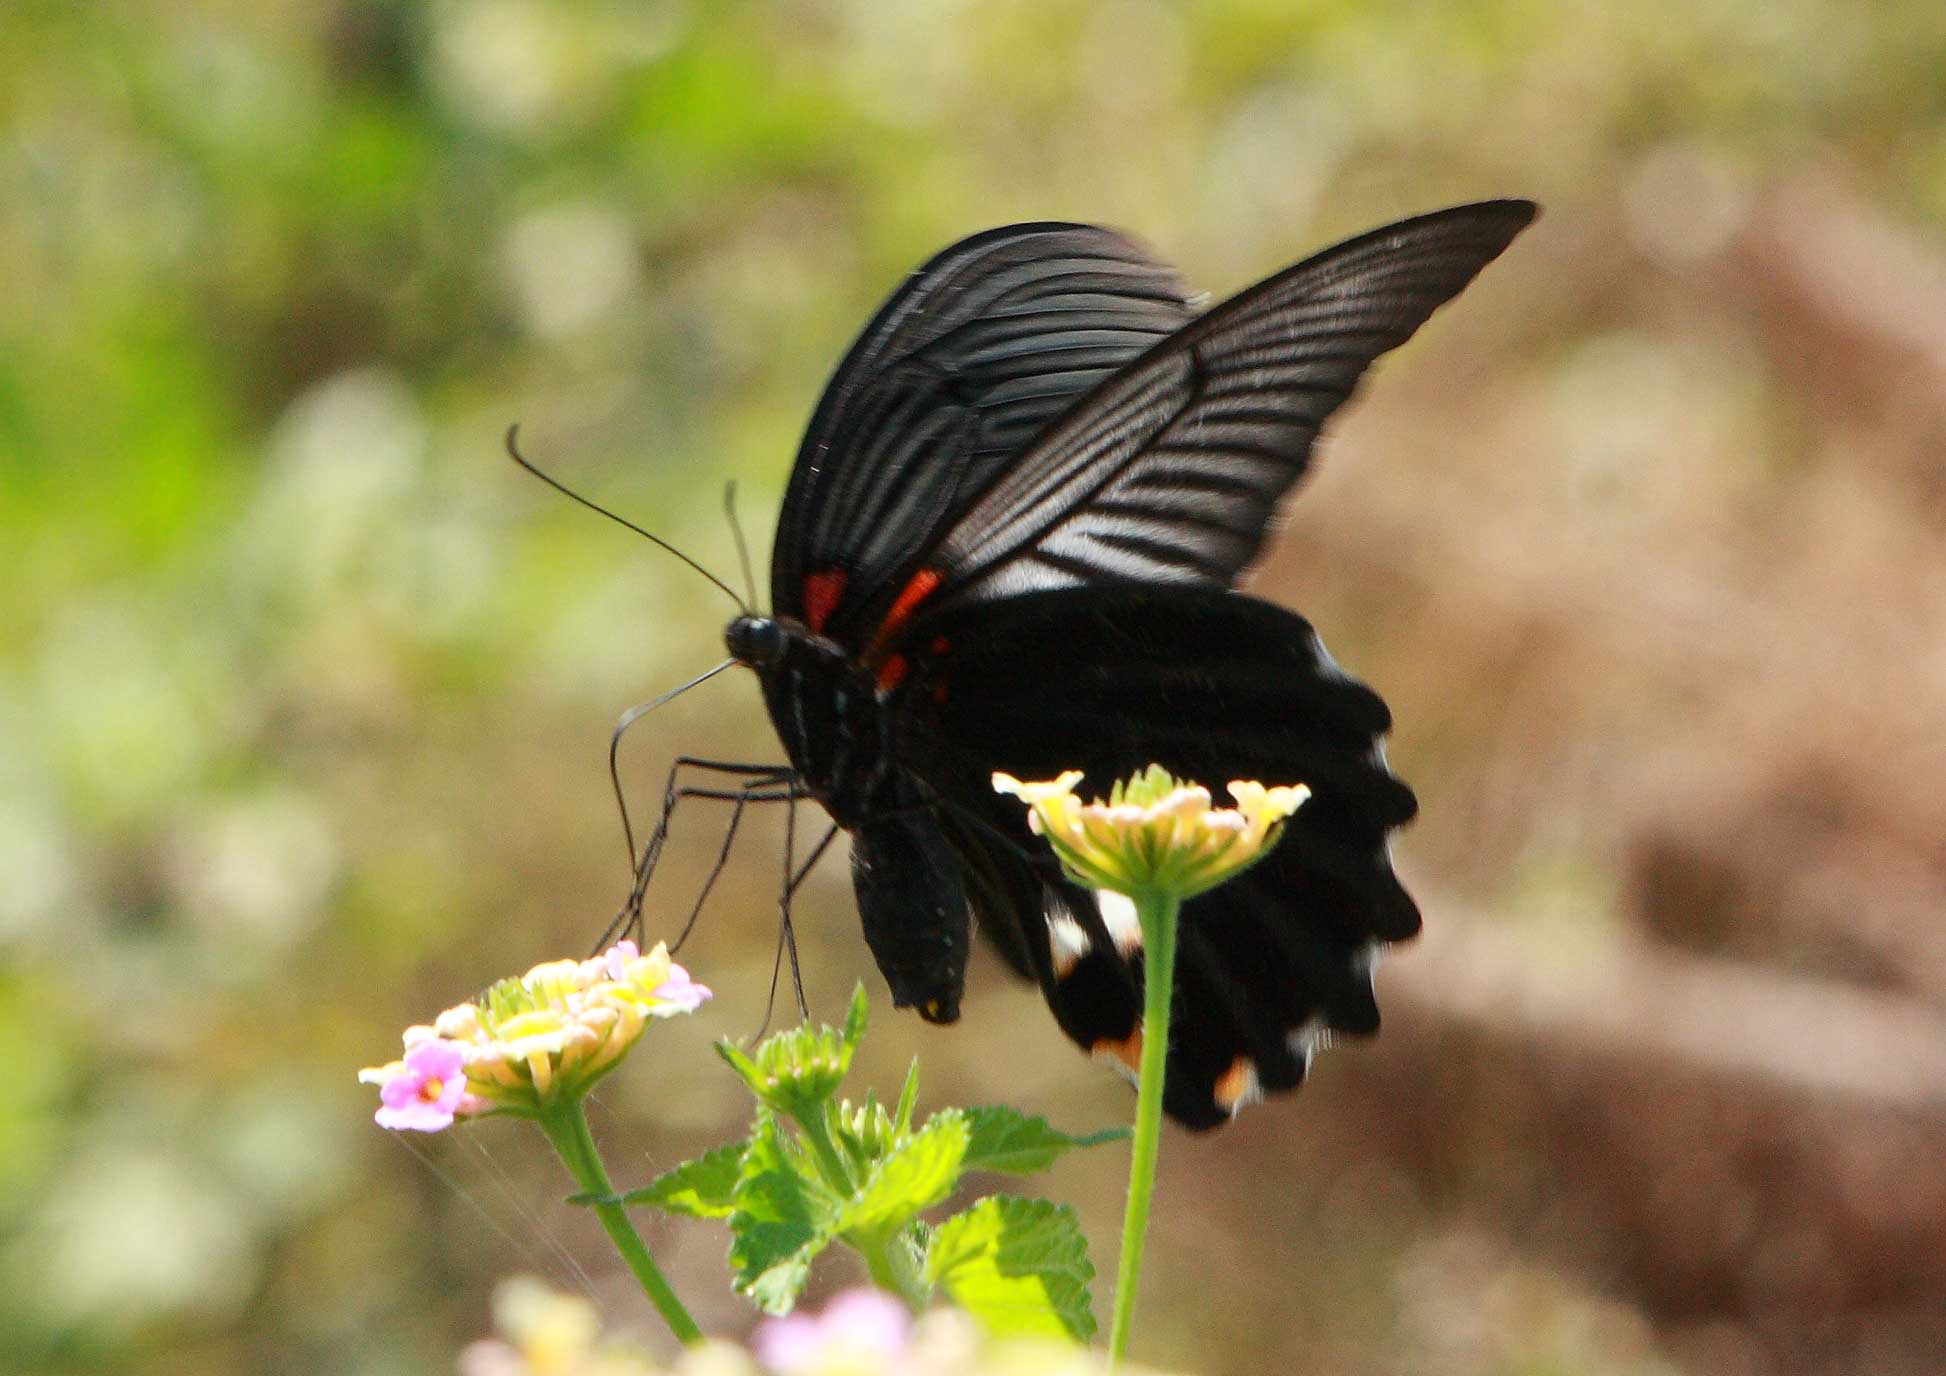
[[303, 690]]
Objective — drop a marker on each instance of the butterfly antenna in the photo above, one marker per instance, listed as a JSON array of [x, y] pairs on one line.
[[736, 533], [513, 452]]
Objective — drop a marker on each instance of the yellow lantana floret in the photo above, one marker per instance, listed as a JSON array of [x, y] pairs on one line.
[[1154, 833]]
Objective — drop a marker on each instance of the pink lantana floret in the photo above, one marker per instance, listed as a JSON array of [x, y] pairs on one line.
[[616, 958], [656, 985], [422, 1092], [681, 993], [860, 1330]]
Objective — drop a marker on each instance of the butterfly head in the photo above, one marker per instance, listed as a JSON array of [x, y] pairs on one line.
[[757, 641]]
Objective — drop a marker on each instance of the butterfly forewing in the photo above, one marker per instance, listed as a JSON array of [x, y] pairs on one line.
[[1170, 470], [971, 359]]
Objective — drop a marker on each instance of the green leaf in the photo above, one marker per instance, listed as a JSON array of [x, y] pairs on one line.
[[783, 1218], [703, 1188], [914, 1175], [1019, 1266], [777, 1289], [1008, 1141]]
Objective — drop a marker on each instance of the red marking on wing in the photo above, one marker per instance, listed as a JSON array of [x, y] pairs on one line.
[[918, 590], [821, 594], [892, 672], [940, 646]]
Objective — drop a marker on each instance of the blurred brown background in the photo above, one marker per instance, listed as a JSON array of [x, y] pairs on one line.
[[304, 691]]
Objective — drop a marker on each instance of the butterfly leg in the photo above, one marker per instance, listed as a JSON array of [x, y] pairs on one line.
[[786, 932], [716, 870], [810, 863], [756, 775], [760, 783], [750, 794], [794, 876]]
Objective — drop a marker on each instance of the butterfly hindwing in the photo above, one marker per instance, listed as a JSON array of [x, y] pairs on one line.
[[1213, 686]]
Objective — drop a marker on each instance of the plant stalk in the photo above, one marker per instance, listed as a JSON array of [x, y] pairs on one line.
[[894, 1269], [1158, 913], [829, 1162], [566, 1127]]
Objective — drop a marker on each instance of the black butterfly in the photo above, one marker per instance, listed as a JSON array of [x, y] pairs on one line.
[[1008, 544]]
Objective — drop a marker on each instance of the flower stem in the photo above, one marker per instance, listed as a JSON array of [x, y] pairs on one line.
[[1158, 913], [829, 1162], [567, 1129], [893, 1268]]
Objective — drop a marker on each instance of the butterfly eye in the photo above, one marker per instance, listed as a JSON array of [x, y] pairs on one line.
[[756, 641]]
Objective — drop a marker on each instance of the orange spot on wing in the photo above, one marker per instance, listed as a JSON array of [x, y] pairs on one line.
[[1128, 1050], [1238, 1085], [821, 594], [891, 673]]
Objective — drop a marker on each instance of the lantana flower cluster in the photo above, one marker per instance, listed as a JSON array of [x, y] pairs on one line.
[[531, 1041], [1154, 834]]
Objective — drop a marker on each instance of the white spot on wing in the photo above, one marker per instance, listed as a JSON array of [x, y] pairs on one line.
[[1307, 1039], [1070, 942], [1118, 916]]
